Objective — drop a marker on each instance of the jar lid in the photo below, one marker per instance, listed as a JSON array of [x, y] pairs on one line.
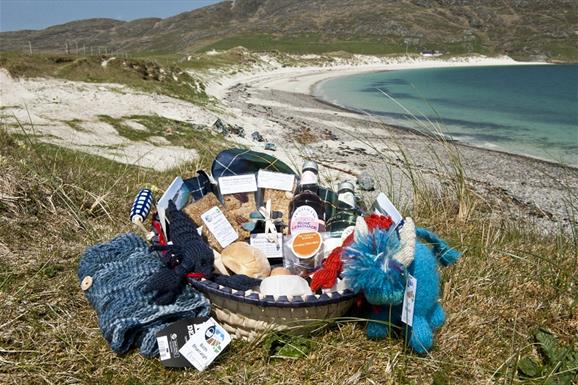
[[346, 185], [310, 165]]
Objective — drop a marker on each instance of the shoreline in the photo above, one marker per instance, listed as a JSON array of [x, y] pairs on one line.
[[277, 101], [282, 103], [446, 138]]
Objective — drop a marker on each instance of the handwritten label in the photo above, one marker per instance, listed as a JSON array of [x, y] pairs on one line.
[[409, 300], [275, 180], [219, 226], [237, 184]]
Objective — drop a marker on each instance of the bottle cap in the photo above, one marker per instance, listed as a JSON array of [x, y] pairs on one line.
[[310, 165], [345, 186]]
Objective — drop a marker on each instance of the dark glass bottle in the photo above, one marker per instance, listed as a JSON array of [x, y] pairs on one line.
[[346, 209], [306, 210]]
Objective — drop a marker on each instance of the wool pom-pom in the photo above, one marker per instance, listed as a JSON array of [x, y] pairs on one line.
[[370, 265]]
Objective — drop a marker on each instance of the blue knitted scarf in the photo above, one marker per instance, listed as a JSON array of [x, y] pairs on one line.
[[127, 316]]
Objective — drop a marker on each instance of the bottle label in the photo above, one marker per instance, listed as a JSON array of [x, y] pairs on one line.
[[304, 219], [308, 177], [347, 198]]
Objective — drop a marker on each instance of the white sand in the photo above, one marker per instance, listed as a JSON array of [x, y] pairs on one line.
[[43, 106], [301, 79]]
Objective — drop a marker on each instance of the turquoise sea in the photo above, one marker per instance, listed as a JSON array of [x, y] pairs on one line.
[[528, 110]]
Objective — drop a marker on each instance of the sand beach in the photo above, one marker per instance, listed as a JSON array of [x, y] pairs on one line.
[[282, 105], [278, 101]]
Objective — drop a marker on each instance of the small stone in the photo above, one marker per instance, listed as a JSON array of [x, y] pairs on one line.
[[257, 137], [219, 126], [270, 146], [365, 182], [237, 130]]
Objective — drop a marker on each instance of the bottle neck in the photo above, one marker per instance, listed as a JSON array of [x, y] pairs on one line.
[[309, 182]]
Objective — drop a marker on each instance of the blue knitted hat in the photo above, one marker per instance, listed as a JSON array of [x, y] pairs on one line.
[[127, 316]]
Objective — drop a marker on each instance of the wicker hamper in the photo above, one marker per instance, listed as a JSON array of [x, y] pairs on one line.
[[248, 315]]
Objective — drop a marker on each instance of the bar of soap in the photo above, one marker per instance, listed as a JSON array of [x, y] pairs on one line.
[[280, 271], [241, 258], [289, 285]]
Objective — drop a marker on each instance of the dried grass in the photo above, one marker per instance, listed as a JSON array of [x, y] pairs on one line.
[[55, 202]]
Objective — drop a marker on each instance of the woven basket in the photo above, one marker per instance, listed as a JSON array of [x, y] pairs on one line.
[[248, 315]]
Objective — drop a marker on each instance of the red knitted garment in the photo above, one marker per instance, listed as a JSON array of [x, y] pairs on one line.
[[327, 276], [378, 221]]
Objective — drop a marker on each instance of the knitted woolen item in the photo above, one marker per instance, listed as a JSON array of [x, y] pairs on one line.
[[126, 316], [195, 257], [188, 247]]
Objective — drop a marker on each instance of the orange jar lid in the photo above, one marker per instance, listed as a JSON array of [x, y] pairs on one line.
[[306, 245]]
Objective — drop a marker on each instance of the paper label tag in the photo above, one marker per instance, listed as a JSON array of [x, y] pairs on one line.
[[179, 194], [304, 219], [175, 336], [219, 226], [347, 198], [237, 184], [206, 344], [271, 249], [409, 300], [275, 180], [384, 206], [308, 177]]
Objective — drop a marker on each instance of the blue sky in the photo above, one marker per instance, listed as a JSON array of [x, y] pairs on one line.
[[38, 14]]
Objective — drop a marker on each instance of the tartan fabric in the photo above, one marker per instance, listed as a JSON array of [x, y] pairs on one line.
[[341, 220], [329, 198], [238, 161], [199, 186]]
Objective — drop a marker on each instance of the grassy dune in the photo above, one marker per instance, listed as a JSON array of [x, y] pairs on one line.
[[143, 74], [55, 202]]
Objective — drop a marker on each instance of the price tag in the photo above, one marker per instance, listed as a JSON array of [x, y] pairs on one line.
[[409, 301]]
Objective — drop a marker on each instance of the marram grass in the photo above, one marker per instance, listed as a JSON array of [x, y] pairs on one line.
[[54, 202]]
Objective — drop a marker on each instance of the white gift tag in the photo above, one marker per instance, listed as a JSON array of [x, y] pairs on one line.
[[384, 206], [237, 184], [206, 344], [275, 180], [409, 300], [271, 249], [219, 226]]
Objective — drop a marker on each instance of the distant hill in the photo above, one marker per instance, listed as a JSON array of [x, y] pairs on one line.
[[521, 28]]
